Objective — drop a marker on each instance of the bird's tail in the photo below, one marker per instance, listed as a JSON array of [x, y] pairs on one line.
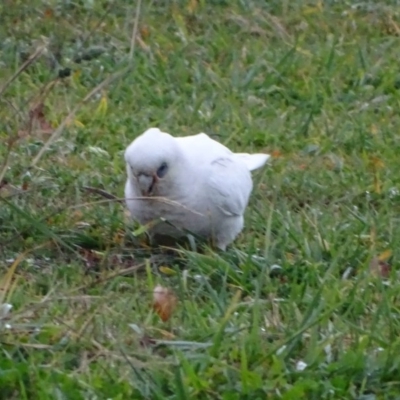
[[253, 161]]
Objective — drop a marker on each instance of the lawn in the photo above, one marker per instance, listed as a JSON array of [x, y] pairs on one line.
[[304, 304]]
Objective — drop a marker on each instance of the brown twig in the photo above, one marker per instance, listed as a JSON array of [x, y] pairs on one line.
[[110, 197], [102, 192], [134, 31]]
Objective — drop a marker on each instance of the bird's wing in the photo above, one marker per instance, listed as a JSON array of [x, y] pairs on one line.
[[226, 174], [229, 185], [202, 149]]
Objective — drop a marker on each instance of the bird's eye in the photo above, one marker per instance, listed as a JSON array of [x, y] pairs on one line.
[[162, 170]]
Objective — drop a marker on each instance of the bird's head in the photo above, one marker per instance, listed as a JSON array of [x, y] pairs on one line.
[[153, 161]]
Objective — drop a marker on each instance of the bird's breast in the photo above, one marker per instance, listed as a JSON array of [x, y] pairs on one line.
[[186, 209]]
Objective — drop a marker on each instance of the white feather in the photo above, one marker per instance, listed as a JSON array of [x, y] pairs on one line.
[[205, 190], [253, 161]]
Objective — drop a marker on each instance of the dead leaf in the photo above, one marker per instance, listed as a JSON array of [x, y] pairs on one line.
[[25, 185], [119, 237], [290, 257], [91, 258], [164, 302], [167, 270], [379, 267], [7, 279], [102, 107], [144, 31], [48, 13], [167, 335], [37, 123], [192, 6], [37, 115], [276, 154], [374, 129], [142, 44], [77, 216], [385, 255], [377, 163]]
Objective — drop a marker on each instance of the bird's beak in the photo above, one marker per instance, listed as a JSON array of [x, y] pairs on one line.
[[146, 183]]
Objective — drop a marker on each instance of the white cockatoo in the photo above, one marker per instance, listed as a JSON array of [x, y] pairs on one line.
[[188, 184]]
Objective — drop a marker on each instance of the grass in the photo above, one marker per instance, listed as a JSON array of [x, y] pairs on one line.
[[316, 84]]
